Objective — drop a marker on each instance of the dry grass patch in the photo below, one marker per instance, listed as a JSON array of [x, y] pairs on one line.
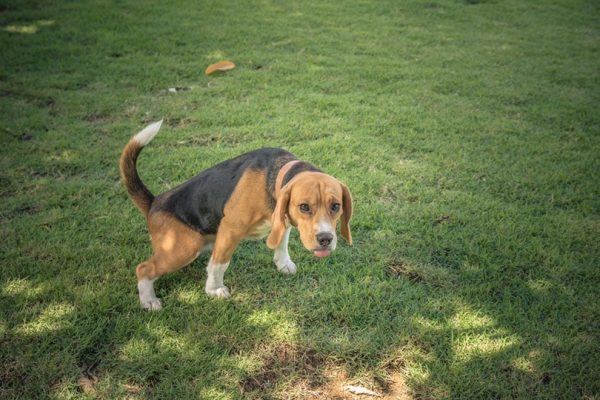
[[420, 273], [293, 373]]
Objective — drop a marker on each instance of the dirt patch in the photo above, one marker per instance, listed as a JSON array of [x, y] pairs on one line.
[[392, 387], [291, 373], [396, 387], [283, 363], [262, 381], [439, 276], [404, 269]]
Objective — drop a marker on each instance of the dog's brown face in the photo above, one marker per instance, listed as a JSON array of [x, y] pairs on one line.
[[313, 202]]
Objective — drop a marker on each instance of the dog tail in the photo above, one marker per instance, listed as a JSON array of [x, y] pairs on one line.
[[139, 193]]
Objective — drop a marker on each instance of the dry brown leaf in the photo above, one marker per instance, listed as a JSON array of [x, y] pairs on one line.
[[220, 66]]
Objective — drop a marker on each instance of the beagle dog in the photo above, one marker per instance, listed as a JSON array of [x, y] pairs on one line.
[[261, 193]]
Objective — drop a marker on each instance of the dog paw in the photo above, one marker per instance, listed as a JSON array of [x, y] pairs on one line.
[[151, 304], [287, 268], [220, 292]]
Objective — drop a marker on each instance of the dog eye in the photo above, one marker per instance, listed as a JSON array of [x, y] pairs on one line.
[[335, 207], [305, 208]]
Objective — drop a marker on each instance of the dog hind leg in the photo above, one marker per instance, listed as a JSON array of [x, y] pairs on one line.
[[174, 246]]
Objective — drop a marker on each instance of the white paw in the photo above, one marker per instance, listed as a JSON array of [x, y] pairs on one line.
[[220, 292], [153, 304], [287, 267]]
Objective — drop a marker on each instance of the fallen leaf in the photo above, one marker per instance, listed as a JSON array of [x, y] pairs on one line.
[[220, 66], [360, 390]]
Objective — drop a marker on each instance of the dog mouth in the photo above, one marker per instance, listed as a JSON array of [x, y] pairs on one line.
[[324, 252]]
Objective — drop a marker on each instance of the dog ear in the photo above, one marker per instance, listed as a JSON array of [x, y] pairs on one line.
[[278, 219], [346, 214]]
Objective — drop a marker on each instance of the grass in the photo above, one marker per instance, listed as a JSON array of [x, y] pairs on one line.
[[468, 132]]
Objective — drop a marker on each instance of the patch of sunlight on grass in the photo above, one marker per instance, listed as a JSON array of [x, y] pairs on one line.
[[428, 324], [540, 286], [172, 343], [418, 373], [169, 340], [281, 327], [28, 29], [477, 335], [16, 287], [470, 320], [523, 364], [135, 348], [3, 327], [190, 297], [213, 393], [247, 363], [52, 319], [469, 346]]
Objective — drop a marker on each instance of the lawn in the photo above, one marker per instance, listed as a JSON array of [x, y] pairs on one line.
[[468, 132]]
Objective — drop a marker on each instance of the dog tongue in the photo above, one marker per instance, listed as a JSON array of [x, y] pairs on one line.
[[321, 253]]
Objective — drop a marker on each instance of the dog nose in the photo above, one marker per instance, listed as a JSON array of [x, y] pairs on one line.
[[324, 239]]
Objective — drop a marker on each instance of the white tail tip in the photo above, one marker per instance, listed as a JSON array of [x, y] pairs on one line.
[[147, 134]]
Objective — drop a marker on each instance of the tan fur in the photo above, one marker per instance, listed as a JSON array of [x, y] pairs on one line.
[[319, 191], [141, 196], [244, 213], [174, 245], [347, 214], [247, 214], [279, 219]]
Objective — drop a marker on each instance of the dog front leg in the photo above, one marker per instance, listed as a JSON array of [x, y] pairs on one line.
[[282, 257], [225, 244], [214, 280]]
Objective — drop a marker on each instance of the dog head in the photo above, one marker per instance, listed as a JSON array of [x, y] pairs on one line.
[[313, 202]]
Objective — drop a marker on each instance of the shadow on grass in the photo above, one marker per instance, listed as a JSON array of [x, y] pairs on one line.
[[87, 345], [448, 326]]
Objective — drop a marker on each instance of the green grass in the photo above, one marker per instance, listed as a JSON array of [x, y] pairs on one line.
[[468, 132]]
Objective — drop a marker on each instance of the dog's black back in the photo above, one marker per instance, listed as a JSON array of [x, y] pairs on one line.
[[200, 202]]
